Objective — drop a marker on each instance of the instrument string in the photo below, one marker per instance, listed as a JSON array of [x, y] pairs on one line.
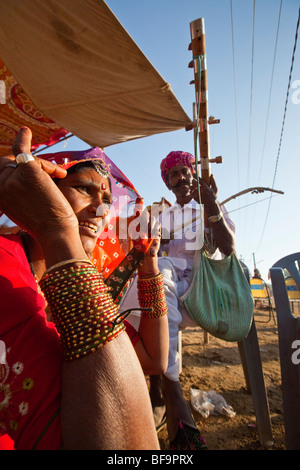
[[235, 97], [282, 127], [270, 92], [198, 59], [251, 95], [269, 100]]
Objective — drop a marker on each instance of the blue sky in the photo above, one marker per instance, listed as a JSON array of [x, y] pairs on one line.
[[247, 91]]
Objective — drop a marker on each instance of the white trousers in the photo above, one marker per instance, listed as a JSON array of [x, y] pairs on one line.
[[176, 282]]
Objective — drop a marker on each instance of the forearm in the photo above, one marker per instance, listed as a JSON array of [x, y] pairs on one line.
[[61, 246], [153, 347], [153, 352], [102, 381], [105, 401], [223, 237]]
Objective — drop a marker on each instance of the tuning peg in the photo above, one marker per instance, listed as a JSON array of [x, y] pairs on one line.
[[213, 120], [216, 160]]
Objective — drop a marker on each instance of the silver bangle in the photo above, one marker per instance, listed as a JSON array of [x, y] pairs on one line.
[[12, 165]]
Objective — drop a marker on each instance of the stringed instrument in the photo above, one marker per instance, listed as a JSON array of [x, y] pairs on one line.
[[201, 121]]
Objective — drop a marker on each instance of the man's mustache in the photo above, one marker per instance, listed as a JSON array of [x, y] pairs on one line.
[[177, 185]]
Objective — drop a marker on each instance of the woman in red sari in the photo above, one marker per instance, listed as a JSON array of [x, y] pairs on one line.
[[53, 392]]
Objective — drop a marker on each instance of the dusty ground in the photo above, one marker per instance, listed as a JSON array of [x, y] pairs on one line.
[[216, 365]]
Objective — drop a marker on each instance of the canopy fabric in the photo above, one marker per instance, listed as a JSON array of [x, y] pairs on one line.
[[17, 110], [84, 72]]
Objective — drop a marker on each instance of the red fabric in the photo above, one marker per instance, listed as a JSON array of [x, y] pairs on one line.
[[132, 333], [31, 355], [17, 110], [6, 443]]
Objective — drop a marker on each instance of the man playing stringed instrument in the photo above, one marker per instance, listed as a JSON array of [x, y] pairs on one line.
[[178, 247]]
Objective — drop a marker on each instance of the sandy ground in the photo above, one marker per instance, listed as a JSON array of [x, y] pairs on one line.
[[216, 365]]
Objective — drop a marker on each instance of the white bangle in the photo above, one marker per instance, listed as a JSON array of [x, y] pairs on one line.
[[24, 158]]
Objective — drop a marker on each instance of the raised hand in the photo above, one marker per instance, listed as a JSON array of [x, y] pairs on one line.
[[208, 194], [29, 197]]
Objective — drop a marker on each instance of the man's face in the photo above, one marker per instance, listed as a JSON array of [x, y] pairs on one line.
[[90, 198], [180, 181]]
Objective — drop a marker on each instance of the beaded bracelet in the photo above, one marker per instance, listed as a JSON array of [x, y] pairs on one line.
[[151, 293], [82, 308]]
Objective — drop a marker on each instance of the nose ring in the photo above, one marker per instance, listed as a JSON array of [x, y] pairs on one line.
[[102, 210]]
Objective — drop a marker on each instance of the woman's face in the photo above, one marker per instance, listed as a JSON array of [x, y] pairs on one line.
[[90, 197]]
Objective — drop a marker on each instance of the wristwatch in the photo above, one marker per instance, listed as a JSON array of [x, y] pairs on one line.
[[214, 218]]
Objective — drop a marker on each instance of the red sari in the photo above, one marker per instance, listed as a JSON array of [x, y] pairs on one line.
[[31, 359]]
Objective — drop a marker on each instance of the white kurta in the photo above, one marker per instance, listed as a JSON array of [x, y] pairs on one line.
[[175, 265]]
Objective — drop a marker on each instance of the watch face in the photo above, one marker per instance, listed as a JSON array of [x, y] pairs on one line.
[[214, 218]]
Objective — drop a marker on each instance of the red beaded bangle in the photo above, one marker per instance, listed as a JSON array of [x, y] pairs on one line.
[[151, 294]]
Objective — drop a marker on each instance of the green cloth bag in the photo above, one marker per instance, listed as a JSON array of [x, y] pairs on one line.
[[219, 298]]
